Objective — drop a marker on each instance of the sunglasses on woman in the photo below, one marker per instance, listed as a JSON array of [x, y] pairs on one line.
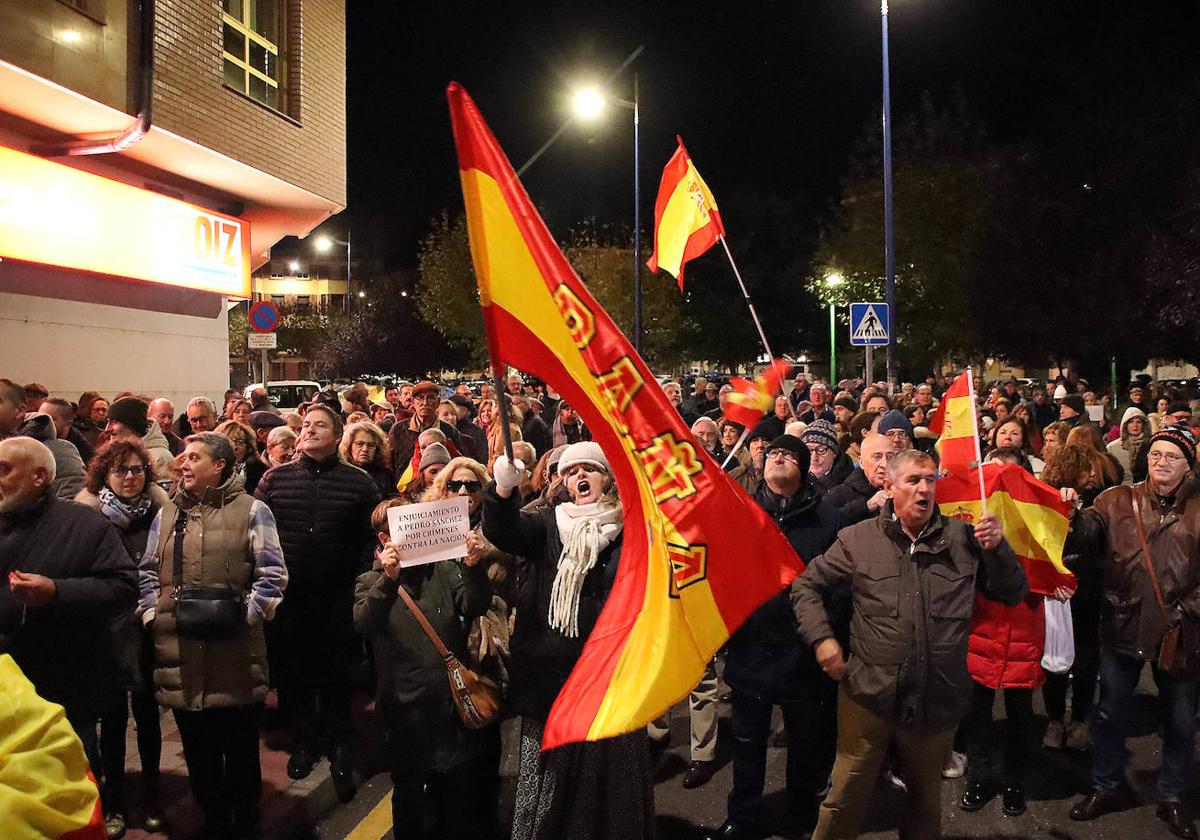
[[453, 485]]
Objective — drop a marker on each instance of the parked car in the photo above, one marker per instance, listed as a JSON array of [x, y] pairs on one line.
[[287, 394]]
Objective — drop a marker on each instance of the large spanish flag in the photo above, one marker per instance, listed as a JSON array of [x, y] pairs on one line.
[[1034, 517], [686, 220], [46, 788], [698, 556]]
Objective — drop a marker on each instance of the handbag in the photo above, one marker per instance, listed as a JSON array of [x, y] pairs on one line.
[[1179, 651], [476, 698], [204, 612]]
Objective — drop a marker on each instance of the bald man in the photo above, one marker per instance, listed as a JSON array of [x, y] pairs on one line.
[[861, 495], [64, 576], [162, 412]]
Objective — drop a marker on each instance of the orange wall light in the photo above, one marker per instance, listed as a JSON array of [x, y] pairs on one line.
[[56, 215]]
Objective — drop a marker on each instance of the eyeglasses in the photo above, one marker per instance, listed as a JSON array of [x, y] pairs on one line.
[[122, 472], [897, 434], [1169, 457], [783, 454], [454, 485], [817, 449], [364, 444]]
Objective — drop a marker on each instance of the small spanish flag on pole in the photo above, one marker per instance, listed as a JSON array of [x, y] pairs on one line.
[[686, 220]]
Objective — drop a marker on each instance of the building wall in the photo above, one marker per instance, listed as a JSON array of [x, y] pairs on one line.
[[71, 347], [51, 39], [307, 147]]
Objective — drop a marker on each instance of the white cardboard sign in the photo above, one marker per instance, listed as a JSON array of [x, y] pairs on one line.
[[430, 531]]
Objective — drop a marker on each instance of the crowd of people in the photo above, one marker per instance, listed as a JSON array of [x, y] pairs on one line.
[[195, 560]]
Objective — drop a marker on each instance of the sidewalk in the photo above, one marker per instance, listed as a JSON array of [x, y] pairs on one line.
[[289, 808]]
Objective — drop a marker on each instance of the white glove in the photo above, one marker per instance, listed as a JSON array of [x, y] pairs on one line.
[[508, 474]]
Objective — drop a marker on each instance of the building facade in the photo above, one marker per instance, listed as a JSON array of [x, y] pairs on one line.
[[151, 153]]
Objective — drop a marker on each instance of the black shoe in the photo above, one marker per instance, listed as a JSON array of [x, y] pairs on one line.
[[976, 796], [1177, 820], [304, 756], [341, 768], [698, 773], [1097, 804], [152, 810], [1013, 801], [734, 831]]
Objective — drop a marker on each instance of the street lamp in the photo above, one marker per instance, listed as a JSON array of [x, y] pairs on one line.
[[833, 280], [587, 104], [294, 267], [889, 226], [324, 244]]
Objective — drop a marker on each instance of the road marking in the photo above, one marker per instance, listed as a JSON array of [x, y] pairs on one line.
[[377, 823]]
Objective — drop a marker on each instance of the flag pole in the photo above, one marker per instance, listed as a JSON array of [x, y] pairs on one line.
[[753, 313], [975, 435]]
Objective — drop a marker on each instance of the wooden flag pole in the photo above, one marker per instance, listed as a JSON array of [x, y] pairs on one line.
[[753, 314]]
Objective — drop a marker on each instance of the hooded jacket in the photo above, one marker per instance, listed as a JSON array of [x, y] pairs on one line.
[[68, 465], [159, 450]]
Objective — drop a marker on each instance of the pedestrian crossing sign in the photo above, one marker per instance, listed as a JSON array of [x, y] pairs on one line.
[[869, 324]]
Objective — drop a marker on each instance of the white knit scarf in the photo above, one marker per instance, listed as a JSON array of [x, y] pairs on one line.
[[585, 531]]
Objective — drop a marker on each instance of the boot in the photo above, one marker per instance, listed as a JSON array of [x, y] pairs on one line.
[[341, 768]]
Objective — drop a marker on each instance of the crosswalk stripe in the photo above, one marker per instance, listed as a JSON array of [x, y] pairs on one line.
[[377, 823]]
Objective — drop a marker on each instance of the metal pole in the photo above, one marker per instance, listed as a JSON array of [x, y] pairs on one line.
[[832, 349], [637, 229], [889, 226], [349, 288], [1115, 395], [266, 370], [869, 367]]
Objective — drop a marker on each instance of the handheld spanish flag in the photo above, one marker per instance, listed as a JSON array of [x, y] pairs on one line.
[[686, 220], [1034, 518], [46, 788], [698, 556], [749, 401]]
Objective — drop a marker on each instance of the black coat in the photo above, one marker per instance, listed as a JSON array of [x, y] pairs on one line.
[[851, 497], [64, 648], [842, 469], [766, 657], [542, 658], [536, 432], [474, 442]]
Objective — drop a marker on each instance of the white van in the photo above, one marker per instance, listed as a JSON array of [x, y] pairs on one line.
[[287, 394]]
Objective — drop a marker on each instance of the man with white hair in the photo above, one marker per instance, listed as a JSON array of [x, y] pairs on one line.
[[64, 575], [162, 412], [201, 414]]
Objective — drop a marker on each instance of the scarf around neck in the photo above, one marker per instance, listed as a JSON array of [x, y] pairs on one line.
[[585, 531], [120, 512]]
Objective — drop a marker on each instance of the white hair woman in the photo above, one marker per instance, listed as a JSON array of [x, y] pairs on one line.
[[573, 548]]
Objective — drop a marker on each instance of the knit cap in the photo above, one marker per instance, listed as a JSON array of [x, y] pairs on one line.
[[584, 452], [821, 432], [131, 412], [1182, 437], [434, 453]]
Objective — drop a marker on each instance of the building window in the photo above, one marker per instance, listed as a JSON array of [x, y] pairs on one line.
[[251, 31], [304, 304], [277, 300]]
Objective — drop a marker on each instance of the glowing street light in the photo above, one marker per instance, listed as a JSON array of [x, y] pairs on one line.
[[294, 267], [587, 103]]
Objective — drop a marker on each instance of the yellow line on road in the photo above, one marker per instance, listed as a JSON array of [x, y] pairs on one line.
[[377, 823]]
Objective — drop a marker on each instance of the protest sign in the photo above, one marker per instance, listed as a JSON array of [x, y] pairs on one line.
[[431, 531]]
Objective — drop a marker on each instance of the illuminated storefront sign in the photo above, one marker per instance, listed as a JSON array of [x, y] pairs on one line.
[[56, 215]]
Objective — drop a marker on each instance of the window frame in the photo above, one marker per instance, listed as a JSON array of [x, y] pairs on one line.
[[244, 29]]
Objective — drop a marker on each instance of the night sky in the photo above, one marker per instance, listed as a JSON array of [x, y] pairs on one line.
[[767, 95]]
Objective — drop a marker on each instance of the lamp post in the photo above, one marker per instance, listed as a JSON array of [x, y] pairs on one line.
[[588, 103], [833, 280], [324, 243], [889, 227]]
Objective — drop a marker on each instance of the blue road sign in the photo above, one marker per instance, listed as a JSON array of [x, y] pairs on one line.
[[869, 324], [264, 316]]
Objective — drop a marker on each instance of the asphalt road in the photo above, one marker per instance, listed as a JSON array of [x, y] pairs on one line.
[[1057, 780]]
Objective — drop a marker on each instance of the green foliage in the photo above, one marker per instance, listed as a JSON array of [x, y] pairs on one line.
[[447, 294]]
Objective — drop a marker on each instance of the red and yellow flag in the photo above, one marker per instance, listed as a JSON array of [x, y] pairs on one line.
[[1034, 517], [46, 788], [688, 575], [749, 401], [686, 220]]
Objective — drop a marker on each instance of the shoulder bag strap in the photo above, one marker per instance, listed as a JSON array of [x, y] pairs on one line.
[[1141, 532], [423, 621], [177, 565]]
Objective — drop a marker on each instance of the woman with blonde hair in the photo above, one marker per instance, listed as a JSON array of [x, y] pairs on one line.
[[490, 422], [245, 449], [365, 446]]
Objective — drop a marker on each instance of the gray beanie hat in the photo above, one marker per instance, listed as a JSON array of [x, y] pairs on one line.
[[434, 453], [822, 432]]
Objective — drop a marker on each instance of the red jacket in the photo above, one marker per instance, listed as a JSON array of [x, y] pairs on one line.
[[1004, 649]]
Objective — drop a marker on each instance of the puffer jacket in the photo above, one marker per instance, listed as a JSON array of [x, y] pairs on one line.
[[159, 450], [913, 601], [1005, 647], [323, 512], [1131, 623]]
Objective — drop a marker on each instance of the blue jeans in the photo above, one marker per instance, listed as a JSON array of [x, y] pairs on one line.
[[1177, 700]]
